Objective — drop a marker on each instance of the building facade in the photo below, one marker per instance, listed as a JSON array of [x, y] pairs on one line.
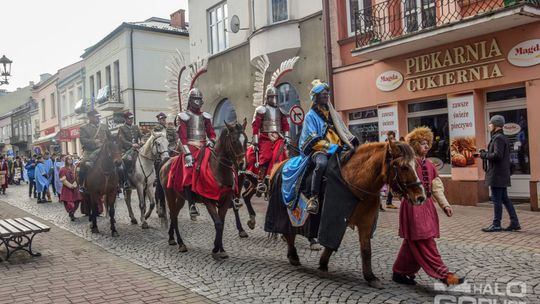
[[21, 128], [126, 69], [44, 93], [448, 66], [70, 92], [12, 106], [233, 33]]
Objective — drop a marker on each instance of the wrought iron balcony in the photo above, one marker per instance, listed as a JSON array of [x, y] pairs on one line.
[[109, 99], [398, 19]]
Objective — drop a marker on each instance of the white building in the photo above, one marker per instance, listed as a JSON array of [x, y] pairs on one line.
[[233, 33], [125, 71], [70, 92]]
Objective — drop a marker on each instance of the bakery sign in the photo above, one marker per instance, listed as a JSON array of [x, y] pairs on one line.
[[389, 81], [525, 54], [458, 65]]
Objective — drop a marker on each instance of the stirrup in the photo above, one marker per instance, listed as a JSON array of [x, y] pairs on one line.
[[313, 205], [236, 203], [193, 210], [261, 187]]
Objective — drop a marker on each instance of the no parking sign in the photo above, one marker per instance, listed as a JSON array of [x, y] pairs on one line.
[[297, 115]]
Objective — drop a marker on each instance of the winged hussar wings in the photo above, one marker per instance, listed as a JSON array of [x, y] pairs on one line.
[[195, 70], [175, 68], [285, 67], [261, 65]]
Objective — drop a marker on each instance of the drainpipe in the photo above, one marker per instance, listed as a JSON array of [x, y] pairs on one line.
[[328, 45], [132, 76]]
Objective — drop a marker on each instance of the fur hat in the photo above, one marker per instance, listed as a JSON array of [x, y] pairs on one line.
[[419, 134]]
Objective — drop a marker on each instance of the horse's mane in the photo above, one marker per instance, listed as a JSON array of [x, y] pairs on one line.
[[146, 149]]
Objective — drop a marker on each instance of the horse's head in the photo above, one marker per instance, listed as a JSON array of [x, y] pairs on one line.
[[402, 176], [160, 145], [113, 151], [234, 141]]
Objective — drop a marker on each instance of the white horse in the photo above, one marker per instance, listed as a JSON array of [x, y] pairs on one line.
[[143, 176]]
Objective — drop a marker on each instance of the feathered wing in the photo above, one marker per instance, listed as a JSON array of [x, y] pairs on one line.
[[285, 67], [195, 70], [261, 65], [175, 68]]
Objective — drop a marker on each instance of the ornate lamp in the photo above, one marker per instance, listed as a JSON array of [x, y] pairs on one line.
[[5, 69]]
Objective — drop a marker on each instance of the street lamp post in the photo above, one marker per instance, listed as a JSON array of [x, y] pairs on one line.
[[5, 69]]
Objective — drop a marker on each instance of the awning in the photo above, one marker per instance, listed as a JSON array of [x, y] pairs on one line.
[[44, 139]]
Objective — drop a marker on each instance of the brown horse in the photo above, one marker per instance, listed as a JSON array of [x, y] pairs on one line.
[[368, 169], [102, 180], [227, 157]]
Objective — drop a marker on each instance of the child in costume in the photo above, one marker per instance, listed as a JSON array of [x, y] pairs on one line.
[[419, 224]]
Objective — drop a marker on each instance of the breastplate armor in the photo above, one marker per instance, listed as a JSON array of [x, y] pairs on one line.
[[195, 127], [272, 120]]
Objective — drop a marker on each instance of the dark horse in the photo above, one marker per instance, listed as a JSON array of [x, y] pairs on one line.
[[227, 157], [102, 180], [368, 169]]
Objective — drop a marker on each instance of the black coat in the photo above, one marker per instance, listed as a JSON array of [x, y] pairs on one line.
[[498, 161]]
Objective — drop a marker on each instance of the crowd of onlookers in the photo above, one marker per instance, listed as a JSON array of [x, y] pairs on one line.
[[47, 175]]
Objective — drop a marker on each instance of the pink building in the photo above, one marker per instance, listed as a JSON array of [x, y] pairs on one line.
[[448, 65]]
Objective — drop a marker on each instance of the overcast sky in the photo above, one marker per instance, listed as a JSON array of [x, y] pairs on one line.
[[43, 36]]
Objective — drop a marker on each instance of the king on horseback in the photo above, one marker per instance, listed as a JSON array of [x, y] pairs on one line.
[[194, 133], [92, 135], [129, 137], [323, 133]]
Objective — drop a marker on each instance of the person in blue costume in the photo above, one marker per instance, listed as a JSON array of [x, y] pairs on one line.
[[42, 180], [323, 134]]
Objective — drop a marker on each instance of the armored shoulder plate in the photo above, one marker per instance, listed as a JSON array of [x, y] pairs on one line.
[[184, 116], [261, 109], [207, 115], [283, 112]]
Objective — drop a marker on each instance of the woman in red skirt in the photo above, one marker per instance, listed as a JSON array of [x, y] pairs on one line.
[[70, 194], [419, 224]]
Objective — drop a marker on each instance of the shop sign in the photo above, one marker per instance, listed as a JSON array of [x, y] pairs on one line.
[[525, 54], [511, 129], [458, 65], [48, 131], [388, 121], [389, 81], [69, 134], [462, 130]]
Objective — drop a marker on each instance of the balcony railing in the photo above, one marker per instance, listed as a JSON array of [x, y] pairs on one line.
[[394, 19], [109, 94]]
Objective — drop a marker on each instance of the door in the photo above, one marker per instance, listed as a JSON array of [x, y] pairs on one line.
[[517, 132]]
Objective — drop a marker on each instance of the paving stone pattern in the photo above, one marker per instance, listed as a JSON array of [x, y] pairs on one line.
[[258, 272]]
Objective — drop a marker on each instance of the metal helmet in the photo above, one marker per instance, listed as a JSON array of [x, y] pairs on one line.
[[271, 96], [195, 97]]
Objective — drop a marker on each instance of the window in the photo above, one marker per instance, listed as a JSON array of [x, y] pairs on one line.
[[365, 16], [364, 125], [53, 106], [224, 112], [279, 10], [43, 109], [219, 37], [117, 74], [419, 14], [433, 114], [79, 93], [64, 104], [506, 94], [71, 103], [108, 78], [98, 80], [92, 87]]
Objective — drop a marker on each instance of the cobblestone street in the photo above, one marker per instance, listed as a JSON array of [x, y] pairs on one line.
[[257, 270]]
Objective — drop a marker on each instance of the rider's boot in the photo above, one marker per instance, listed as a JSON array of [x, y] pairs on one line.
[[236, 203], [82, 177], [193, 210], [261, 185], [123, 173]]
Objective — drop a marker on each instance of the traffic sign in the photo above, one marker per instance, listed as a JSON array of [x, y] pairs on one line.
[[297, 115]]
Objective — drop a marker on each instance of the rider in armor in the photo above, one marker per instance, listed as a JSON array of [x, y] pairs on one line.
[[194, 132], [270, 132], [92, 135], [130, 137]]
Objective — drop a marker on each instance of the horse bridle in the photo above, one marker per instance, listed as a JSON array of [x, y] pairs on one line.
[[395, 182], [158, 153], [229, 146]]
